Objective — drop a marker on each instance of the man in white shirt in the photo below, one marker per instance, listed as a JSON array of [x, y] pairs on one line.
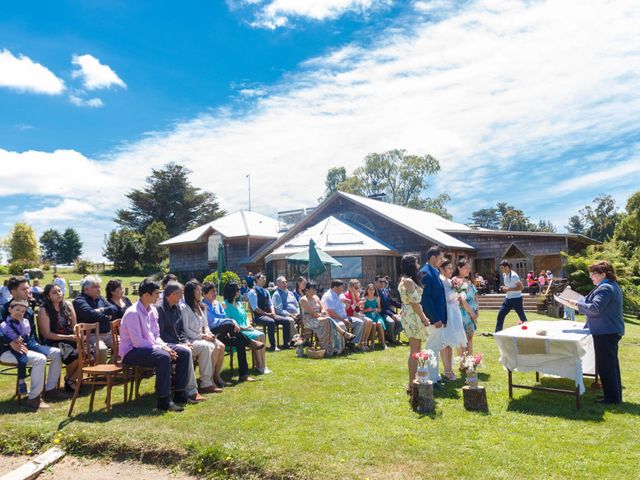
[[512, 286], [334, 306]]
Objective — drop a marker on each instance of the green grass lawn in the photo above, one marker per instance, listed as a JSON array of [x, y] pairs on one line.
[[349, 418]]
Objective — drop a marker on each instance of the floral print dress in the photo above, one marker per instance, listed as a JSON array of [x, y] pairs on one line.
[[470, 325], [413, 326]]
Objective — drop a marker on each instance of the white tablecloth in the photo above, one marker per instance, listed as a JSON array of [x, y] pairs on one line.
[[566, 350]]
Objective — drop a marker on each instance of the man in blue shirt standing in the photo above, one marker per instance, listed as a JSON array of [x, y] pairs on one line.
[[434, 305]]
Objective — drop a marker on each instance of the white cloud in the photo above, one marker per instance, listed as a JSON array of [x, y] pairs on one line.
[[86, 102], [94, 74], [68, 209], [24, 75], [500, 92], [278, 13], [596, 180]]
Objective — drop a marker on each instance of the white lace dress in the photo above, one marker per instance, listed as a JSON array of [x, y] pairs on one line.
[[453, 335]]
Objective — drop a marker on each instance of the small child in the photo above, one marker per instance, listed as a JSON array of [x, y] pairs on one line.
[[16, 327]]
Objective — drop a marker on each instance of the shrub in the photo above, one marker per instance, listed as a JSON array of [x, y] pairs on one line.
[[4, 270], [83, 266], [18, 266], [227, 277]]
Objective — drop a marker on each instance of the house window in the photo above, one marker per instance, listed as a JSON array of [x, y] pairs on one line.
[[351, 268]]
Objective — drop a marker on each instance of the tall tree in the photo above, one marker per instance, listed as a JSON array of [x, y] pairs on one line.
[[169, 197], [50, 242], [401, 177], [71, 246], [628, 228], [600, 217], [576, 225], [335, 176], [153, 254], [486, 218], [545, 226], [124, 248], [23, 245]]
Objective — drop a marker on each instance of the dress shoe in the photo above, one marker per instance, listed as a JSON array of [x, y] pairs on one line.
[[168, 406], [247, 378], [36, 403], [180, 397], [56, 394], [606, 401]]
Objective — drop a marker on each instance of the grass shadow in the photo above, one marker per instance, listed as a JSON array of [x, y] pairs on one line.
[[144, 407]]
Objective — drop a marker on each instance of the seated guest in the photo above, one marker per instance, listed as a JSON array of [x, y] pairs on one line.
[[141, 345], [56, 321], [207, 350], [60, 282], [115, 296], [301, 284], [169, 277], [235, 311], [249, 280], [335, 308], [285, 303], [354, 302], [19, 290], [331, 337], [371, 309], [244, 290], [264, 313], [36, 291], [25, 352], [171, 331], [5, 295], [228, 331], [90, 307], [393, 322]]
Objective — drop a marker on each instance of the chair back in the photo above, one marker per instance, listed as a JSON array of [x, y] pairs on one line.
[[87, 349], [115, 340], [247, 308]]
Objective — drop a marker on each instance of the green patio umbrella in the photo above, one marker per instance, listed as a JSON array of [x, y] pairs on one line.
[[316, 258], [221, 266]]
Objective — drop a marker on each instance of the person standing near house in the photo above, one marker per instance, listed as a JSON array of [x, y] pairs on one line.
[[434, 305], [512, 286]]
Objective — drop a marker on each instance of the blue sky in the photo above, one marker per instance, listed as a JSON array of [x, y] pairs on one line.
[[534, 103]]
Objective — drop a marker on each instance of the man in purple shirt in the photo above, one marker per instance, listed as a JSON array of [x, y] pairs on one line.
[[140, 344]]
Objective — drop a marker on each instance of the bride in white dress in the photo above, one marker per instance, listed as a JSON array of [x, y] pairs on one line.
[[453, 335]]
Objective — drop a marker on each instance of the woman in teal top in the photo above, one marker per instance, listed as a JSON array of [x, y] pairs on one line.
[[235, 311], [371, 310], [468, 301]]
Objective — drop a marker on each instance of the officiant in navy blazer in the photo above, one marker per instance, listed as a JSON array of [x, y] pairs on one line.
[[603, 308], [434, 304]]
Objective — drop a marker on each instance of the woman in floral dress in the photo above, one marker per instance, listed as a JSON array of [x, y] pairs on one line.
[[414, 320], [468, 302], [330, 337]]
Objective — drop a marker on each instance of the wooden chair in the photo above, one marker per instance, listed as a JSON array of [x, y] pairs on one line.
[[247, 308], [134, 373], [92, 373]]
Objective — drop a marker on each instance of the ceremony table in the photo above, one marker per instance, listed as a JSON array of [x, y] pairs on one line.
[[565, 350]]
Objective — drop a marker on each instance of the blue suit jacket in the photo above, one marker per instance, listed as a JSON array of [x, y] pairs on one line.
[[603, 308], [434, 302], [387, 303]]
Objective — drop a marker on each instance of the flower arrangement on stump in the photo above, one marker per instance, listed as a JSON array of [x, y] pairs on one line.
[[468, 364], [425, 359], [298, 342]]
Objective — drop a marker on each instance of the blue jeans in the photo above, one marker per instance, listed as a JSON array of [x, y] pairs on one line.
[[508, 305]]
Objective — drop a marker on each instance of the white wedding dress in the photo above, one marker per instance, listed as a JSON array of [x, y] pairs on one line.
[[453, 335]]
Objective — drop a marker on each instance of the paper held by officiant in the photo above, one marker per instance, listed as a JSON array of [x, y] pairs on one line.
[[568, 295]]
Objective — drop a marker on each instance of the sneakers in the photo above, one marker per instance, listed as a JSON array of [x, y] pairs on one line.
[[273, 349], [263, 371], [22, 388], [36, 403], [168, 406]]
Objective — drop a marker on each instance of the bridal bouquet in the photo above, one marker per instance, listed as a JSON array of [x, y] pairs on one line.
[[459, 286]]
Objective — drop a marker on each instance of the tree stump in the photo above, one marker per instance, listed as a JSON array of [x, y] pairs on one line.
[[475, 398], [422, 400]]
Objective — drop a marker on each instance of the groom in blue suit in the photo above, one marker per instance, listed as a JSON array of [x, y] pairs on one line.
[[434, 304]]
